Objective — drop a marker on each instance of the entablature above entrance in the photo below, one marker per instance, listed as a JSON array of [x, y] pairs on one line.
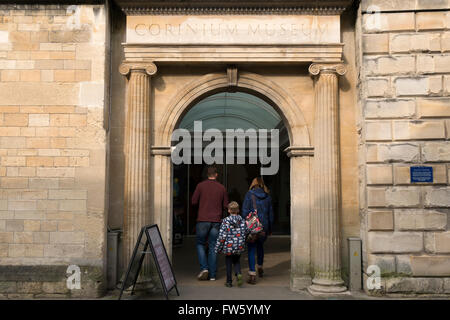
[[231, 31], [233, 54]]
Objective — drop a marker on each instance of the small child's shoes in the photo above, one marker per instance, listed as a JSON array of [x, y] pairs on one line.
[[239, 280]]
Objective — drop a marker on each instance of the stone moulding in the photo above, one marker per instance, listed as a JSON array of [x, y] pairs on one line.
[[324, 53], [300, 151], [291, 113], [161, 150], [232, 73], [303, 10], [247, 7]]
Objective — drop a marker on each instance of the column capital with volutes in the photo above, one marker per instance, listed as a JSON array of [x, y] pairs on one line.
[[147, 67], [335, 68]]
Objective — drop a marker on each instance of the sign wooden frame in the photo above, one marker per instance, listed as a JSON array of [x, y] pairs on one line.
[[137, 258]]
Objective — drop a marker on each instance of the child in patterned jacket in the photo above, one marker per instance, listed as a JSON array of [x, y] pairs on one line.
[[231, 242]]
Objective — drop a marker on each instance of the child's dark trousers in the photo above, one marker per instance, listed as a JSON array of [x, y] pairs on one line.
[[234, 259]]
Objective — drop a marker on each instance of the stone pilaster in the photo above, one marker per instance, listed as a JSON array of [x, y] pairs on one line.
[[301, 160], [326, 181], [162, 193], [137, 154]]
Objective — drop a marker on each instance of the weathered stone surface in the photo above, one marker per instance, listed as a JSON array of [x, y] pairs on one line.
[[8, 286], [91, 94], [439, 107], [406, 152], [32, 281], [431, 20], [378, 131], [402, 197], [403, 264], [429, 64], [446, 85], [395, 242], [430, 266], [418, 86], [437, 197], [380, 220], [66, 250], [386, 263], [390, 65], [390, 109], [376, 43], [419, 219], [414, 285], [377, 175], [55, 287], [437, 242], [418, 130], [447, 285], [29, 287], [415, 42], [378, 87], [389, 22], [46, 74], [14, 225], [39, 93], [436, 151], [445, 41]]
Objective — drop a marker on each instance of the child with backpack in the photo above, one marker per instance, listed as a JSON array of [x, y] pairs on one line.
[[231, 242]]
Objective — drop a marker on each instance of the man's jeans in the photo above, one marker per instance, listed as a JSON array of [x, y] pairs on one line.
[[207, 231]]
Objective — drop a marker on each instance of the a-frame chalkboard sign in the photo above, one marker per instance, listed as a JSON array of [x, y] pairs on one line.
[[150, 237]]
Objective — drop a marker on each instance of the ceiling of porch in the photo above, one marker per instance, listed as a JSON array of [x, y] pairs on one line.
[[232, 111]]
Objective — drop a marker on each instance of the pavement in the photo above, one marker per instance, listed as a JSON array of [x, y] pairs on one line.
[[273, 286]]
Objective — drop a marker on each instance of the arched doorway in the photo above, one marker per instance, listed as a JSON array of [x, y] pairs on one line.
[[299, 152], [225, 112]]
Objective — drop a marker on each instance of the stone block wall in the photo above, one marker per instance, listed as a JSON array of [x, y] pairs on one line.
[[52, 148], [404, 66]]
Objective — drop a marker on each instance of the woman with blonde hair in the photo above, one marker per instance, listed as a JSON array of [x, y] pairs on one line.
[[258, 198]]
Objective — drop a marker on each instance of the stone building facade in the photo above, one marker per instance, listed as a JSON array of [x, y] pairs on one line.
[[88, 103], [404, 63], [53, 146]]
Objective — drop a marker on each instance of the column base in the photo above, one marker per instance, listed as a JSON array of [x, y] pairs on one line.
[[328, 287], [321, 291]]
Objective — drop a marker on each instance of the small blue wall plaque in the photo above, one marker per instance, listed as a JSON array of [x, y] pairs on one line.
[[422, 175]]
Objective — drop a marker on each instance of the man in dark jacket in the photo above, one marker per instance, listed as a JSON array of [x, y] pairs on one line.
[[211, 198]]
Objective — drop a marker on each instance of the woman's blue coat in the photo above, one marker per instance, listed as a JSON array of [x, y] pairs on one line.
[[263, 205]]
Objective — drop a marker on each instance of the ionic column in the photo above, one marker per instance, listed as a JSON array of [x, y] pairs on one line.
[[137, 154], [326, 181]]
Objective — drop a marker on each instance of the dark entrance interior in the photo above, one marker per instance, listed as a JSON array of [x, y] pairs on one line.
[[236, 178], [232, 111]]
